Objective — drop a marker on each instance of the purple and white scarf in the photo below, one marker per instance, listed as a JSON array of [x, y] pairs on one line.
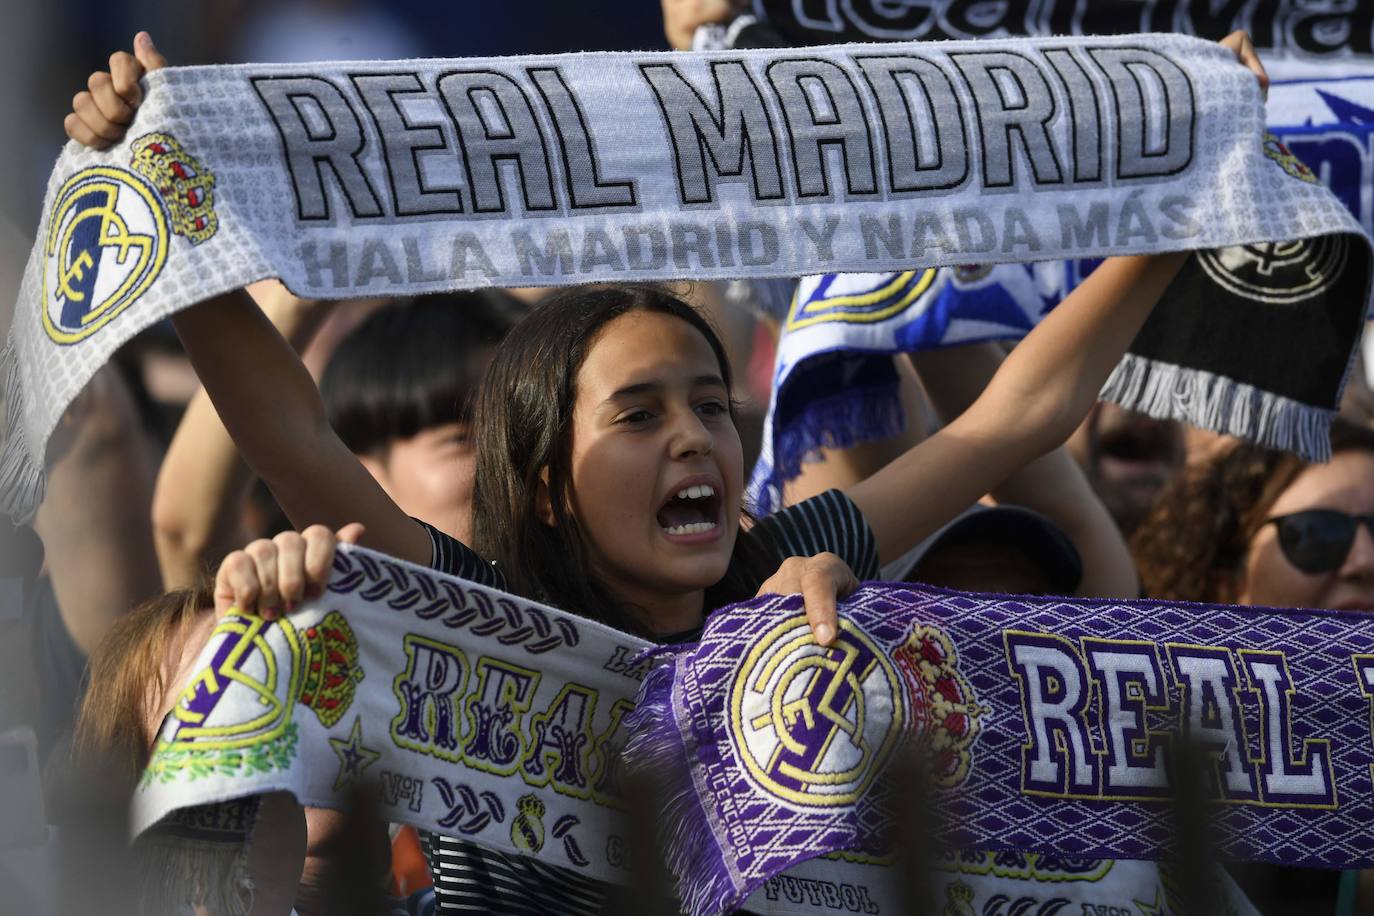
[[1046, 721]]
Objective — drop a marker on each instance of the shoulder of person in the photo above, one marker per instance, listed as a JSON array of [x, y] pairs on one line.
[[827, 522]]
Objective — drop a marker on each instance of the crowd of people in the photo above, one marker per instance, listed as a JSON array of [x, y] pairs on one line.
[[582, 447]]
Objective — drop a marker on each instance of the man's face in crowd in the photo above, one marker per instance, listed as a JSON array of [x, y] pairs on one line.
[[1128, 458]]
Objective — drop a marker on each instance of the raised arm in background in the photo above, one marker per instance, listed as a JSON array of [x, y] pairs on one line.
[[94, 520], [949, 381], [1039, 395], [1052, 485], [203, 482], [273, 411]]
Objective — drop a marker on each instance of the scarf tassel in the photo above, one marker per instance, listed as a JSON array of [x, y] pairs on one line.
[[657, 750], [850, 418], [1170, 392], [21, 481]]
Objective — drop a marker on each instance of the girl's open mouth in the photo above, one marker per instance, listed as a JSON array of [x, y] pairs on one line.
[[692, 510]]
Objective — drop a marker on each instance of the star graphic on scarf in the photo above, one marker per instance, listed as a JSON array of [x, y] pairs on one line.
[[1152, 909], [353, 757]]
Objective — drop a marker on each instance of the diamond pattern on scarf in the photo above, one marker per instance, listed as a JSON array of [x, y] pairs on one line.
[[759, 830]]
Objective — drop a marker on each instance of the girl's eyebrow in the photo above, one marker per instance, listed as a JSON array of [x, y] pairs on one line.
[[655, 386]]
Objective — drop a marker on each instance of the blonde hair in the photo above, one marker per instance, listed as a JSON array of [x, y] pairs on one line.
[[126, 676]]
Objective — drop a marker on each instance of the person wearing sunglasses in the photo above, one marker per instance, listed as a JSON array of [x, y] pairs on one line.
[[1251, 526], [1254, 526], [1319, 541]]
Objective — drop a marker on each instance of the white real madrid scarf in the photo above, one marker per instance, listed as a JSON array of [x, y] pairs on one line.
[[400, 177]]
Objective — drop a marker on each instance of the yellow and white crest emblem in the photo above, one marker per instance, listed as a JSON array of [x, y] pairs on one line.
[[814, 726], [234, 716], [110, 229], [106, 243]]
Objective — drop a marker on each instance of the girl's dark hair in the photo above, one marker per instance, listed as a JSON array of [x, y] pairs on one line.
[[1192, 546], [524, 422], [413, 365]]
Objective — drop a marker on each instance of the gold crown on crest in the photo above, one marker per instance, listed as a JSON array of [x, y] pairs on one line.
[[331, 668], [944, 698], [185, 186]]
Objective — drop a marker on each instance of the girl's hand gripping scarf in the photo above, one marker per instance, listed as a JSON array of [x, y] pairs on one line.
[[394, 178], [477, 714]]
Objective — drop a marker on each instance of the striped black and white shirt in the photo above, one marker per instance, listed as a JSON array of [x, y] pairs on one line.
[[472, 879]]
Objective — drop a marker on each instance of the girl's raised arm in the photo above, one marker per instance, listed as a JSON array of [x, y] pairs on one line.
[[273, 411], [1034, 402], [203, 482], [260, 389]]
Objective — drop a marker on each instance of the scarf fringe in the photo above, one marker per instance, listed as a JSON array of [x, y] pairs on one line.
[[656, 750], [844, 420], [1167, 391], [178, 870], [21, 482]]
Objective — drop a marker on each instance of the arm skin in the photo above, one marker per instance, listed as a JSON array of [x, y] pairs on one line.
[[1052, 485], [1034, 402], [202, 484], [313, 475], [94, 519]]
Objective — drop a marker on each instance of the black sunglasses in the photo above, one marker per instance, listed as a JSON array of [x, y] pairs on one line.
[[1318, 540]]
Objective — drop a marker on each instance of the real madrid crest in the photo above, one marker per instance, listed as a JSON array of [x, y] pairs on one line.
[[1278, 273], [109, 233], [235, 715], [1275, 150], [814, 726]]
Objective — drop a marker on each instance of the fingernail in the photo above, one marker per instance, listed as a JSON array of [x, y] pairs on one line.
[[824, 633], [143, 40], [271, 613]]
